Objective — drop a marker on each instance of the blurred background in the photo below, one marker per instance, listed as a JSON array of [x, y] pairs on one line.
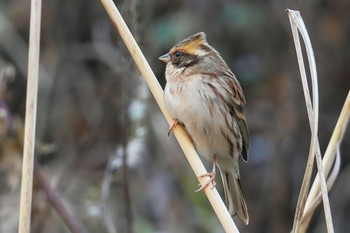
[[102, 147]]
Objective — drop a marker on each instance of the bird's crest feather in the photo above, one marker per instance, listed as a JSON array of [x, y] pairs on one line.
[[191, 44]]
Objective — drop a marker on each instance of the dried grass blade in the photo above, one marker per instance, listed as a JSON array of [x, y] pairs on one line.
[[297, 23]]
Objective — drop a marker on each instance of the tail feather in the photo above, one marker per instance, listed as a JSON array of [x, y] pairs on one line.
[[234, 198]]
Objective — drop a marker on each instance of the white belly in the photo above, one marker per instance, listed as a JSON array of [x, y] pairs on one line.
[[206, 126]]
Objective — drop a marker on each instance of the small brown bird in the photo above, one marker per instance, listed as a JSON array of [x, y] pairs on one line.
[[204, 95]]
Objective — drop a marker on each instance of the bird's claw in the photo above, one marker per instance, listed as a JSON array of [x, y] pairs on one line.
[[211, 181]]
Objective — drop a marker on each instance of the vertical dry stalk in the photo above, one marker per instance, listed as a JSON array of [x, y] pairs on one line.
[[186, 145], [298, 24], [308, 171], [30, 118]]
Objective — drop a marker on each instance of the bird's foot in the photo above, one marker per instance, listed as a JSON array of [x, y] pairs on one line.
[[211, 181], [211, 176]]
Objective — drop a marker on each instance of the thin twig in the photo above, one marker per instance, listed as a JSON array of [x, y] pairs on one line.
[[105, 190], [13, 45], [30, 119], [128, 208], [187, 147], [71, 222]]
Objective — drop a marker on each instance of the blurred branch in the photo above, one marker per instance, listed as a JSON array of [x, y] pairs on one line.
[[107, 180], [134, 18], [30, 120], [297, 23], [14, 46], [71, 222], [191, 154], [117, 161], [128, 208]]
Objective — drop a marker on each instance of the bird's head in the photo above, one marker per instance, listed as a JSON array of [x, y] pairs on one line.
[[188, 52]]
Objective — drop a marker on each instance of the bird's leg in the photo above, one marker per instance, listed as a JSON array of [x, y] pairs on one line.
[[172, 126], [211, 175]]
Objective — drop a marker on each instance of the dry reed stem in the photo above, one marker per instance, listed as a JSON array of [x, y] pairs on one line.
[[308, 171], [30, 118], [298, 24], [187, 147], [330, 181], [332, 147], [328, 159]]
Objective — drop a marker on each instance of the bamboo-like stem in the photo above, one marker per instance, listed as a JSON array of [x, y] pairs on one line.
[[187, 147], [298, 24], [30, 118]]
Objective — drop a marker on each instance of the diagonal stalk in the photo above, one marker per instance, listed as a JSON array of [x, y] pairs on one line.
[[186, 145]]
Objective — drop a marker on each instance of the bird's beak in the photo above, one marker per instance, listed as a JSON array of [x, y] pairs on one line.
[[165, 58]]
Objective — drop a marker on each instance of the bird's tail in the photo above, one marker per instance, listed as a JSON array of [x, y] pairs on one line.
[[233, 196]]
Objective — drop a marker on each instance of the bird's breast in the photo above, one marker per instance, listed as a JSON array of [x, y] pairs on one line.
[[184, 98], [205, 116]]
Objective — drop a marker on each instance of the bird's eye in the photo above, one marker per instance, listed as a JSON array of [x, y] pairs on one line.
[[178, 54]]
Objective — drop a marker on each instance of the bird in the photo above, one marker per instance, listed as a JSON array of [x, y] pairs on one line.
[[203, 95]]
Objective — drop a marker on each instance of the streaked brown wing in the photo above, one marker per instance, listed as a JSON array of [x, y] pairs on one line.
[[237, 111]]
